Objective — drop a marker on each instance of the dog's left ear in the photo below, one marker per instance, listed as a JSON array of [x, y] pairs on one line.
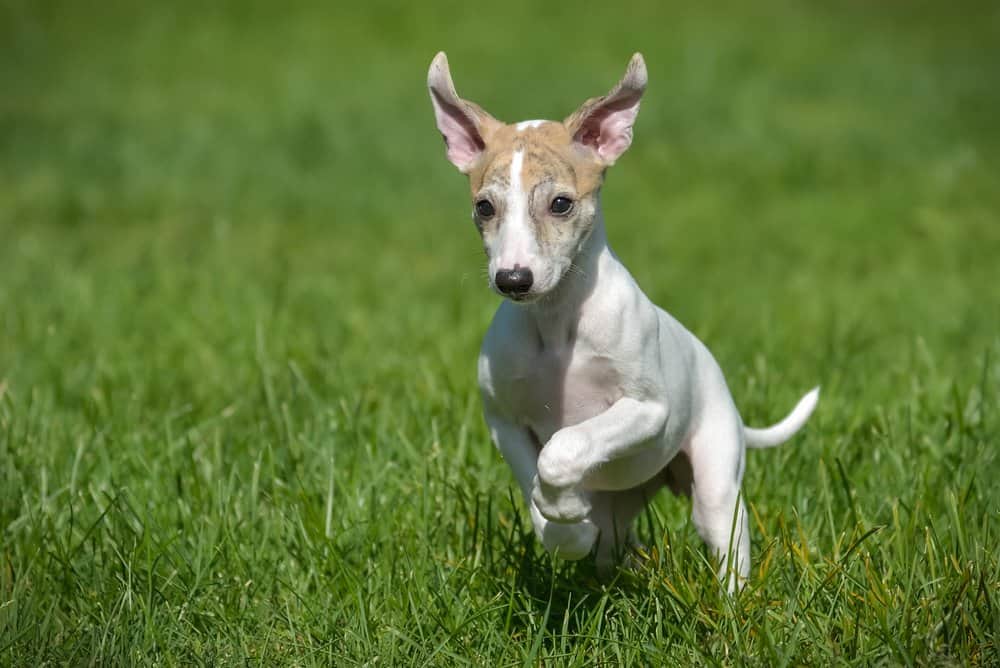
[[604, 124], [462, 123]]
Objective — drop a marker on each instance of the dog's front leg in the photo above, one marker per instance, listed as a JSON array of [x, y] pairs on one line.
[[568, 541], [575, 453]]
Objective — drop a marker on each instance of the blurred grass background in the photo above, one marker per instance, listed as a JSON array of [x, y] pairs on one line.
[[240, 304]]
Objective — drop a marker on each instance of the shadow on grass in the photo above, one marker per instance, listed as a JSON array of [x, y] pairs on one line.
[[573, 598]]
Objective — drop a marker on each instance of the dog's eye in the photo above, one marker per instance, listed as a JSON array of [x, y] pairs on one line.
[[484, 208], [561, 205]]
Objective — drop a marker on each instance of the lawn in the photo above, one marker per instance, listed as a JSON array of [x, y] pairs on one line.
[[241, 302]]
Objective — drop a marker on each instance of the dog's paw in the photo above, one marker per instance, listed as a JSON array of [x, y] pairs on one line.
[[565, 505], [560, 461], [569, 541]]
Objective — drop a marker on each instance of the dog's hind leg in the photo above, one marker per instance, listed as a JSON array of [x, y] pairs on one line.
[[614, 514], [716, 453]]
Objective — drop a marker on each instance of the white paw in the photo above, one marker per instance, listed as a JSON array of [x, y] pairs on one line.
[[565, 505], [559, 463], [569, 541]]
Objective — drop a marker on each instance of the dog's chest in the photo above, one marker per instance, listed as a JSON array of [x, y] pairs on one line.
[[556, 387]]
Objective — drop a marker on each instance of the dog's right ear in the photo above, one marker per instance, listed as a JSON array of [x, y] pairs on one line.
[[462, 123]]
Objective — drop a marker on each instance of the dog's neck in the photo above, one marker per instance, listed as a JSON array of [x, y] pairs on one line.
[[557, 315]]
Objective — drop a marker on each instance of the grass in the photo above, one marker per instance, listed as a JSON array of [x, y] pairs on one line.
[[240, 304]]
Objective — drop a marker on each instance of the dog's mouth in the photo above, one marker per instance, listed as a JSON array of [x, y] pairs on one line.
[[524, 298], [518, 297]]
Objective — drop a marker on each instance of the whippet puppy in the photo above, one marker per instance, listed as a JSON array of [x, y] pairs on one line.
[[595, 397]]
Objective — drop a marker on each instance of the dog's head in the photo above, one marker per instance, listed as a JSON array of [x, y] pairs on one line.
[[535, 184]]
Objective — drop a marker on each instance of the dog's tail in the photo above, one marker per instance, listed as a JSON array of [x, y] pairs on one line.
[[784, 430]]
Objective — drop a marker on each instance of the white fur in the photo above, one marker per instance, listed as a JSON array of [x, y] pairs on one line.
[[591, 393], [614, 389], [527, 125]]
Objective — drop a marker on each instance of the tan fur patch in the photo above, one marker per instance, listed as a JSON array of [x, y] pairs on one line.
[[549, 152], [552, 165]]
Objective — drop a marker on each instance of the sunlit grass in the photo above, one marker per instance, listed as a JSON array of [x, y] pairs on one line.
[[241, 301]]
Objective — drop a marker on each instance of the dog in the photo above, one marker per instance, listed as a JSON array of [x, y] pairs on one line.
[[595, 397]]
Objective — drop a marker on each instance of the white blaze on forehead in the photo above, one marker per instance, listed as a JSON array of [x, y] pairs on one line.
[[517, 241], [526, 125], [516, 167]]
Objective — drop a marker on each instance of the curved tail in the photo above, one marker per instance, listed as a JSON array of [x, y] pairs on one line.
[[784, 430]]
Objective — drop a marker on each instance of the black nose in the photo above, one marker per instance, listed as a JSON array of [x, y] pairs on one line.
[[514, 281]]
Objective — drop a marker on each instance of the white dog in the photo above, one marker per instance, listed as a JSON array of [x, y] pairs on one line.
[[595, 397]]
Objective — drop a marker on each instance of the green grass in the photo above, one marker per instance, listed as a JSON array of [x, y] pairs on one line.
[[241, 301]]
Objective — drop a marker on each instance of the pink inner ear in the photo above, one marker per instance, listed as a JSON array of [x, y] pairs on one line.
[[608, 129], [459, 132]]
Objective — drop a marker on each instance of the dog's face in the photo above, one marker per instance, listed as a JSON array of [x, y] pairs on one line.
[[534, 201], [535, 184]]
